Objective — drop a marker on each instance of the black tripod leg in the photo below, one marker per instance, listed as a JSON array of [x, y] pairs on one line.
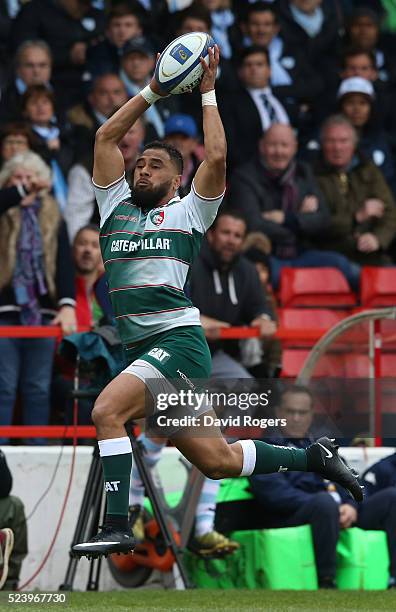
[[158, 510], [88, 510]]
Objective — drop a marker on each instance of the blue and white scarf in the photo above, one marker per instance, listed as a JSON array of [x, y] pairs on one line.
[[312, 24]]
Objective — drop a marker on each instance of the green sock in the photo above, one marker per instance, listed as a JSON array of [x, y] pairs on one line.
[[116, 457], [271, 458]]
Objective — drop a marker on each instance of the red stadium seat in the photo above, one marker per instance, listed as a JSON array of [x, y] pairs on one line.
[[315, 287], [307, 318], [378, 287], [327, 366]]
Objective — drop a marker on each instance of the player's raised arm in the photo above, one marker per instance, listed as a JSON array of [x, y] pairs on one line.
[[108, 160], [209, 180]]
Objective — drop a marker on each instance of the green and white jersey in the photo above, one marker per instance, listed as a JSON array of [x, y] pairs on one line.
[[148, 256]]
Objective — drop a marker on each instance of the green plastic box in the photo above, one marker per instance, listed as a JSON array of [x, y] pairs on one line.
[[362, 560], [268, 558]]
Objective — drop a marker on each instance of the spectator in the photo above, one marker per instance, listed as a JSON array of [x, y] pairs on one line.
[[137, 66], [279, 197], [226, 288], [68, 27], [293, 80], [107, 95], [36, 278], [222, 18], [361, 205], [81, 206], [250, 111], [54, 142], [356, 97], [13, 531], [181, 132], [92, 300], [33, 66], [311, 25], [289, 499], [123, 24], [360, 63], [15, 138], [257, 248], [363, 31]]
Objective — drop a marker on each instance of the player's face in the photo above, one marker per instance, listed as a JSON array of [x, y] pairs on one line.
[[364, 32], [261, 28], [338, 145], [122, 29], [255, 71], [361, 66], [278, 147], [296, 408], [108, 95], [155, 178], [357, 108], [227, 237], [86, 252], [34, 67]]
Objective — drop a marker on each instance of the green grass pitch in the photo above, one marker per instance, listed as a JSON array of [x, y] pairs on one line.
[[268, 601]]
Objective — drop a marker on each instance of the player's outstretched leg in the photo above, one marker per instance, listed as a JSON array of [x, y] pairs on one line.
[[217, 459]]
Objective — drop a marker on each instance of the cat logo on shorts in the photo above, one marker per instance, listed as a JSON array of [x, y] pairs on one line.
[[157, 217], [159, 354]]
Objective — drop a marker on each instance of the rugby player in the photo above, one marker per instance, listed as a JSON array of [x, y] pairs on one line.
[[148, 242]]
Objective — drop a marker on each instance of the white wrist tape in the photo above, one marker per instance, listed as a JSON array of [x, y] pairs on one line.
[[149, 95], [209, 98]]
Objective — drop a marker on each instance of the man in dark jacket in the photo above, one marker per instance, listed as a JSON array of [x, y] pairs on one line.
[[361, 205], [13, 531], [290, 498], [279, 197], [226, 288]]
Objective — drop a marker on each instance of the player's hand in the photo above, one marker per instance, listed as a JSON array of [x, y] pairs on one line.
[[368, 243], [154, 86], [66, 318], [348, 516], [209, 75], [276, 216]]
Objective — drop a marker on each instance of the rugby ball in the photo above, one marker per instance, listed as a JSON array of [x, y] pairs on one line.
[[178, 68]]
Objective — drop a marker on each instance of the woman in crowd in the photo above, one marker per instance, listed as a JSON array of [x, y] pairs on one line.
[[36, 285]]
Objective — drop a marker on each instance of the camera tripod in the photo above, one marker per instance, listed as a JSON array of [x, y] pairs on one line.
[[92, 511]]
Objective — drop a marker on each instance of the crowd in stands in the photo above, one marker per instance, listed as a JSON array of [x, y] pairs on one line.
[[306, 91], [307, 94]]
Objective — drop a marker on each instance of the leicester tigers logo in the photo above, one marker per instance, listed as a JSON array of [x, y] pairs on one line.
[[157, 216]]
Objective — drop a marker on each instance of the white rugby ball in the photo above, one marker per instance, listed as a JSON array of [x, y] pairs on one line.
[[178, 68]]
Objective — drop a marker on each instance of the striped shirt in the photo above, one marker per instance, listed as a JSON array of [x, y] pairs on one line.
[[148, 255]]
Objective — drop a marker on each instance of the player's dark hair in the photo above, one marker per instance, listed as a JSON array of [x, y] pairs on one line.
[[354, 51], [230, 212], [174, 154], [297, 389], [261, 7], [250, 51]]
